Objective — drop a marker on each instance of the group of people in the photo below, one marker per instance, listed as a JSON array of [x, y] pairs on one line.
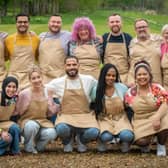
[[84, 87]]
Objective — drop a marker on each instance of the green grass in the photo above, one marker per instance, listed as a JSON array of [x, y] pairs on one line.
[[99, 17]]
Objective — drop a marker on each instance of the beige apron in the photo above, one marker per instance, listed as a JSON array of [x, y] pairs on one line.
[[36, 111], [115, 119], [149, 51], [75, 109], [3, 72], [89, 60], [5, 114], [20, 62], [144, 108], [116, 53], [164, 66], [51, 59]]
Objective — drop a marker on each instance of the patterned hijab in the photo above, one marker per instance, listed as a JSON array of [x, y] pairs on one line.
[[5, 82]]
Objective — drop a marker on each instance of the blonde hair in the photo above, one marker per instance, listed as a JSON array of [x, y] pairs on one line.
[[164, 28], [34, 68]]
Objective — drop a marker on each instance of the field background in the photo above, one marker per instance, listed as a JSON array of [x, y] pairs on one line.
[[99, 18], [92, 159]]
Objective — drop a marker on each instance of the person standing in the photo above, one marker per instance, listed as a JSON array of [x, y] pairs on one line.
[[75, 118], [53, 49], [22, 49], [145, 46], [34, 107], [86, 46], [164, 56], [3, 71], [115, 46]]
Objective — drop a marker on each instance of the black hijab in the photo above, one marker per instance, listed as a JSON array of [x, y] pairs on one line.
[[5, 82]]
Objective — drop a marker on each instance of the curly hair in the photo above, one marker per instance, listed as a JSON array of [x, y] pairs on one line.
[[83, 22]]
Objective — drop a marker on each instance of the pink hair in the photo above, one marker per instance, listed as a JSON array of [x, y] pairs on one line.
[[83, 22]]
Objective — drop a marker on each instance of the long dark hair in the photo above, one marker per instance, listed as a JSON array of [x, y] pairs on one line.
[[100, 92]]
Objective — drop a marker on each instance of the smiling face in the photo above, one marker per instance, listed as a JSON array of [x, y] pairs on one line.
[[71, 67], [165, 35], [22, 24], [55, 24], [142, 77], [115, 24], [142, 30], [110, 77], [84, 34], [11, 89], [36, 79]]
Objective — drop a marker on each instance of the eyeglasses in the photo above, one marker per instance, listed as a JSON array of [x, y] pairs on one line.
[[22, 22], [142, 27]]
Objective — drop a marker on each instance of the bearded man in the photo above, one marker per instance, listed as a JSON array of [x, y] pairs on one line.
[[115, 46], [145, 46], [75, 118], [53, 49]]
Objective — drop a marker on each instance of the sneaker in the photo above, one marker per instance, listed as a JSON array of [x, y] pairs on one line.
[[80, 146], [161, 150], [145, 149], [68, 148], [125, 147], [102, 147]]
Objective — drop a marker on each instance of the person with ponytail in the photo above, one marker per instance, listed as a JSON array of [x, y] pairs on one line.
[[110, 111], [10, 131]]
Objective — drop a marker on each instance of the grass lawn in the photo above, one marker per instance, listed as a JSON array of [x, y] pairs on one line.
[[99, 17]]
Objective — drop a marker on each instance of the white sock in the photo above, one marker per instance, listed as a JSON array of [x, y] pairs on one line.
[[161, 150]]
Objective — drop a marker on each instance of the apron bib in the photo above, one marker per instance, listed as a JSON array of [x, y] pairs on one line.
[[20, 62], [164, 66], [150, 52], [89, 60], [115, 119], [51, 59], [5, 114], [75, 109], [144, 108], [3, 72], [36, 111], [116, 53]]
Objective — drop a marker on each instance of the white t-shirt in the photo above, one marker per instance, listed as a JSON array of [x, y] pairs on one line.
[[58, 85]]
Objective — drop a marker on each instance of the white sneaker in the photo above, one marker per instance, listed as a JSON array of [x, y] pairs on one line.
[[125, 147], [101, 147], [80, 146], [69, 146], [145, 149], [161, 150]]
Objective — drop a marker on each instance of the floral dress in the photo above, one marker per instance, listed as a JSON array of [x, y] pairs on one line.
[[145, 107]]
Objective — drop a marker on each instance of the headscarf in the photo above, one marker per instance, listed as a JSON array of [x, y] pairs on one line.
[[5, 82]]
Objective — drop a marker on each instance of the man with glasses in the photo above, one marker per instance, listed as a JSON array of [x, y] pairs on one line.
[[145, 46], [115, 46], [21, 50]]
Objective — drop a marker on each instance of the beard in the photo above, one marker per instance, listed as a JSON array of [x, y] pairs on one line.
[[115, 29], [54, 29], [72, 73]]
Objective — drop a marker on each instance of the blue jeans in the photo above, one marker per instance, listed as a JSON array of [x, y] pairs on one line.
[[4, 145], [124, 136], [65, 132], [15, 131]]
